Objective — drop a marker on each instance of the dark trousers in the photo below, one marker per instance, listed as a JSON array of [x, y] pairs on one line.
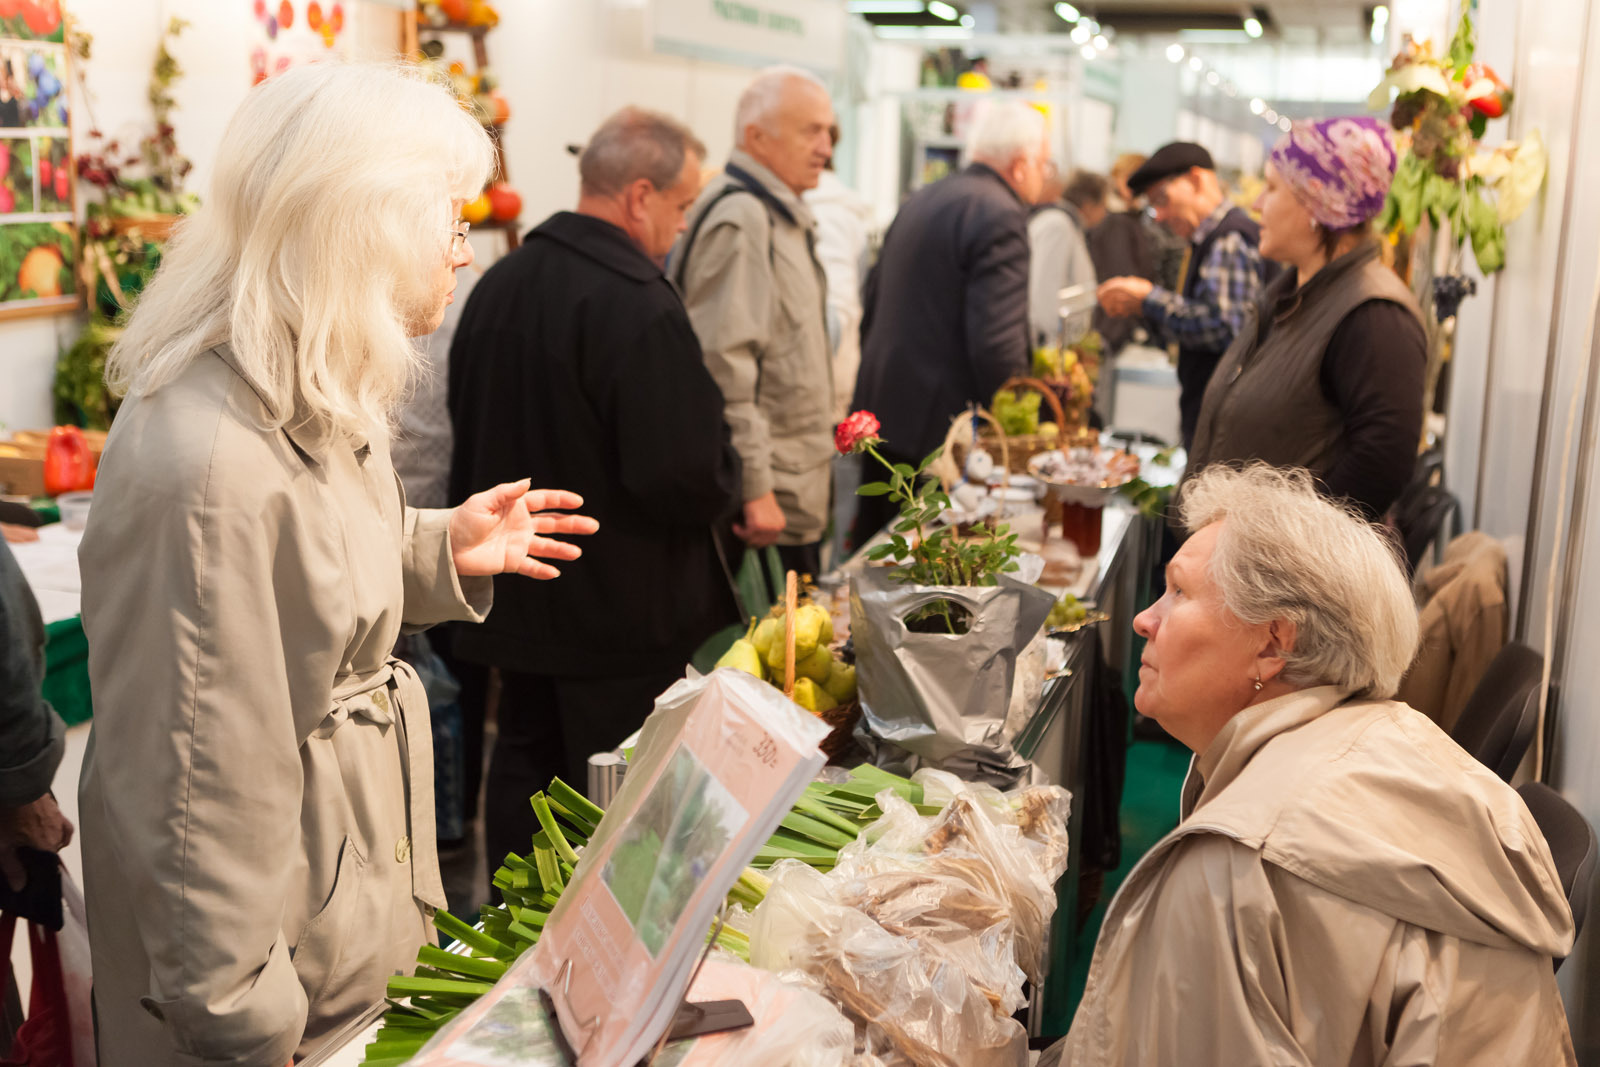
[[549, 726]]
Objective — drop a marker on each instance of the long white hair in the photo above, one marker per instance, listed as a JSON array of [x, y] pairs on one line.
[[317, 251]]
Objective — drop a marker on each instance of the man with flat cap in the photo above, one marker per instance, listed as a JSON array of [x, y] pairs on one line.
[[1223, 271]]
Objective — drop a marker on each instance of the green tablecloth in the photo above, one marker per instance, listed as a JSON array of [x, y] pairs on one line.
[[66, 670]]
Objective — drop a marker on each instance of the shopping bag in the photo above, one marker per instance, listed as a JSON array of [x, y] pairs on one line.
[[45, 1037]]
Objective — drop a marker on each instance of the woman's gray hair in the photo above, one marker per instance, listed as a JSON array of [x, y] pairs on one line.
[[317, 253], [1286, 552], [1004, 130], [764, 95], [632, 144]]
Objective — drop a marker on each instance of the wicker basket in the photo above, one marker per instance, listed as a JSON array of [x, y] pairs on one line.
[[1018, 448], [157, 228]]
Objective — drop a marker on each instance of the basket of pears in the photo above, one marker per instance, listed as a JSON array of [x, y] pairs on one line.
[[789, 649]]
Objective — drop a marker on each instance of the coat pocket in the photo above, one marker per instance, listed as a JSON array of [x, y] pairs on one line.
[[322, 940]]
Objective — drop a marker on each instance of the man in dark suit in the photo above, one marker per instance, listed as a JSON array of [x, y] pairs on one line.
[[946, 306], [575, 363]]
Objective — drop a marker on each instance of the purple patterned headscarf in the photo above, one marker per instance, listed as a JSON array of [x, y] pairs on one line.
[[1340, 169]]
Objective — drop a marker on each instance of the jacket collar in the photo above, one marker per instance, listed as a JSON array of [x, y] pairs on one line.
[[984, 170], [1286, 295], [1209, 224], [599, 240], [1244, 734], [310, 434], [743, 168]]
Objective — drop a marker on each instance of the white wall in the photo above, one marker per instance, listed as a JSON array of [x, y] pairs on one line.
[[1525, 354]]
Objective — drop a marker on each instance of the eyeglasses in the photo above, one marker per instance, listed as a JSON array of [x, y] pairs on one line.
[[458, 237]]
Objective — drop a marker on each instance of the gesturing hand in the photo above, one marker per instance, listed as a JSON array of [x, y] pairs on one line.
[[498, 530], [1123, 296]]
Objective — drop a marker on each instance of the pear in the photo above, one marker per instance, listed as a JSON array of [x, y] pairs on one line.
[[742, 656], [841, 682], [812, 697], [767, 632], [817, 666], [812, 627]]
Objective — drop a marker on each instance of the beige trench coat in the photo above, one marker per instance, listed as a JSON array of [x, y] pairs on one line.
[[257, 796], [756, 295], [1347, 886]]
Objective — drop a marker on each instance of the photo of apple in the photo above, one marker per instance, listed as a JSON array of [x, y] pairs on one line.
[[55, 173], [32, 20]]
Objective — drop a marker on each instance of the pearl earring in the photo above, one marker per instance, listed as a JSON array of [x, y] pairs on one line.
[[1258, 683]]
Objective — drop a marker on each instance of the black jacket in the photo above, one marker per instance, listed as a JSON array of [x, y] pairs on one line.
[[574, 363], [945, 308]]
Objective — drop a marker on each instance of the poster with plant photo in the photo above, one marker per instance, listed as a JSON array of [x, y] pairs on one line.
[[38, 238]]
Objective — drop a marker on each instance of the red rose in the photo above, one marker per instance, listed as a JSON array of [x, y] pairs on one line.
[[858, 430]]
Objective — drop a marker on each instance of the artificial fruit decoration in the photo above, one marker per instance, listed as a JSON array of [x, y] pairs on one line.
[[504, 203], [475, 211]]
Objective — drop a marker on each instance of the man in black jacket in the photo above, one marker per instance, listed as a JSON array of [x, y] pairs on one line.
[[575, 363], [946, 306]]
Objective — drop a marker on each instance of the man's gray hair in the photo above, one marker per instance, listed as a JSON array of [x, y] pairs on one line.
[[1004, 130], [633, 144], [761, 98], [1287, 552]]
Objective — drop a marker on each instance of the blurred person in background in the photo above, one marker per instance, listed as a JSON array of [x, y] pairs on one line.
[[575, 363], [946, 305], [1224, 274], [749, 273], [844, 229], [1169, 249], [1058, 256], [1327, 372], [257, 794], [1119, 246], [1346, 885], [31, 734]]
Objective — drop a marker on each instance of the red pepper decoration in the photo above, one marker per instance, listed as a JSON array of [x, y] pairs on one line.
[[68, 466]]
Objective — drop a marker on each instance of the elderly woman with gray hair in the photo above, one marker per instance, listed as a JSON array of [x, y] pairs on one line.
[[257, 797], [1346, 886]]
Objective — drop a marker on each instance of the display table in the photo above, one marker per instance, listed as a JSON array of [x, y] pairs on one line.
[[1054, 737]]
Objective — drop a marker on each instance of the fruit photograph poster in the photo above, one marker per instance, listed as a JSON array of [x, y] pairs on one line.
[[38, 238]]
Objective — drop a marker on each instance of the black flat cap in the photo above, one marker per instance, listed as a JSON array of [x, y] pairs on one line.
[[1170, 159]]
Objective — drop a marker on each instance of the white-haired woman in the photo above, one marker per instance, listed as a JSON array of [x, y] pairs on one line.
[[1346, 886], [257, 798]]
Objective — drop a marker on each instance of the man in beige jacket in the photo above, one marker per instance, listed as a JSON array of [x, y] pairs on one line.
[[755, 291], [1347, 886]]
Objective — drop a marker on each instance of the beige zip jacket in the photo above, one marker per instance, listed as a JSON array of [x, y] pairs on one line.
[[755, 293], [1347, 886], [257, 796]]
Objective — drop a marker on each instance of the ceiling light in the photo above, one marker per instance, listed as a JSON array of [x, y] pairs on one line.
[[1252, 26], [1195, 64], [940, 9], [1088, 51], [1213, 78], [887, 7], [1101, 43], [1271, 116], [1081, 33], [1257, 105], [968, 21], [1175, 53], [1284, 124], [1380, 24], [1067, 12]]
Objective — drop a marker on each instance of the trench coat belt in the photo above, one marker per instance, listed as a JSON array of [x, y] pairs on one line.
[[394, 694]]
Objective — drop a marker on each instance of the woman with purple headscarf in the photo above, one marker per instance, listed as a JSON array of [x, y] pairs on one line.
[[1327, 371]]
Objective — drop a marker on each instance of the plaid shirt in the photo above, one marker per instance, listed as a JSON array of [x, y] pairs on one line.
[[1229, 281]]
